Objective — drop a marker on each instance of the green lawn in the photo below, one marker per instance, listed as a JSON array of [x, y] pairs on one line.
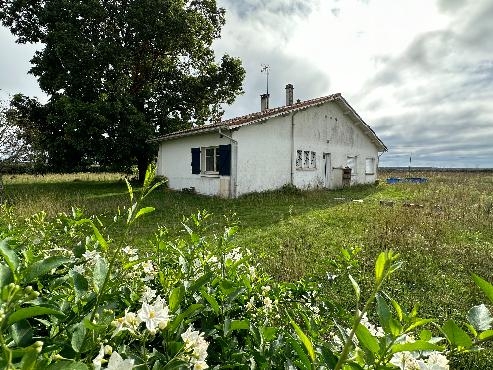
[[442, 239]]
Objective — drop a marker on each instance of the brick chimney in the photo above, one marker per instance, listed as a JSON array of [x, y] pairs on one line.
[[289, 94], [264, 102]]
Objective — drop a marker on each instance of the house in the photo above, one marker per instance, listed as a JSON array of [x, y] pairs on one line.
[[315, 143]]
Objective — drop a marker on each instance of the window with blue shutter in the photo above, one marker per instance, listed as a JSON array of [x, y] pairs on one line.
[[196, 161], [225, 160]]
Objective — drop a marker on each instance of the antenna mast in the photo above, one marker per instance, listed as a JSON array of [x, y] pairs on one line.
[[266, 68]]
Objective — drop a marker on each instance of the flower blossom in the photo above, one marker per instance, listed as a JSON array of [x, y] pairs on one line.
[[155, 316], [195, 348], [128, 322], [116, 362]]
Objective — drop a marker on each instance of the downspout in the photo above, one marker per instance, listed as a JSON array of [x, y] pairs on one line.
[[234, 155], [292, 147]]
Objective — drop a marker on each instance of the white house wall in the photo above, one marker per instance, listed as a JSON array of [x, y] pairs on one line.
[[326, 129], [264, 159], [174, 162], [265, 155]]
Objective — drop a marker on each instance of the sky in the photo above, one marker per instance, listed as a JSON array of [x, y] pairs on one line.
[[419, 72]]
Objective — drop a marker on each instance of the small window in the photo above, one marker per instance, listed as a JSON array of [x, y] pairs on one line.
[[351, 163], [299, 159], [313, 160], [211, 159], [370, 166]]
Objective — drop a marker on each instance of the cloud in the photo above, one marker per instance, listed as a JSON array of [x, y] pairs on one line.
[[434, 95]]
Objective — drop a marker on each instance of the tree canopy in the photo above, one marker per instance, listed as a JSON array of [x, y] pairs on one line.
[[118, 72]]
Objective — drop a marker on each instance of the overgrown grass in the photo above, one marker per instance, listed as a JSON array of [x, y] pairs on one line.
[[444, 236]]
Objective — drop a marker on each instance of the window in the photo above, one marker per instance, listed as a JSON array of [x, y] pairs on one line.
[[351, 163], [306, 160], [212, 160], [370, 166]]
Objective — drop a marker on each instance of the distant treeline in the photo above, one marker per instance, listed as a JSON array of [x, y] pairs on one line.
[[433, 169]]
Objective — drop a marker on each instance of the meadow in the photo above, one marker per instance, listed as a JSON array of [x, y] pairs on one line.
[[443, 230]]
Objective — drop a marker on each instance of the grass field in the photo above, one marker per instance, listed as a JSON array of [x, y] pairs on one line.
[[444, 236]]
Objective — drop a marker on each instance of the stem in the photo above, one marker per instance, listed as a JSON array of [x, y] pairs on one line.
[[349, 340]]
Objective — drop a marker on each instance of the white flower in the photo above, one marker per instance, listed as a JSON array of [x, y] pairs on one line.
[[234, 256], [129, 250], [195, 347], [148, 267], [91, 255], [437, 361], [98, 360], [148, 295], [375, 331], [128, 322], [268, 303], [78, 269], [405, 361], [116, 362], [155, 316]]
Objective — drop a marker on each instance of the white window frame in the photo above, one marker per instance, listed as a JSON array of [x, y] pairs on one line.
[[306, 160], [203, 163], [370, 162]]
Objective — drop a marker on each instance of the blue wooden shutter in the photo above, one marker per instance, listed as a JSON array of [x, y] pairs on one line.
[[196, 161], [225, 160]]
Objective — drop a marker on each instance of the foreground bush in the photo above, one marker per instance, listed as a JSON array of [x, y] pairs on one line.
[[75, 295]]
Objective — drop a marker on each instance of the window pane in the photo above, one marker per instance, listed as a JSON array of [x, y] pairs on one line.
[[210, 157], [313, 160], [299, 158], [306, 163]]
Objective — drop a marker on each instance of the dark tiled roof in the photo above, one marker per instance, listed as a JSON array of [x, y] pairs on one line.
[[275, 112]]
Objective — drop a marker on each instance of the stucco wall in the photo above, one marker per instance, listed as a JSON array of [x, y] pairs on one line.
[[264, 160], [174, 162]]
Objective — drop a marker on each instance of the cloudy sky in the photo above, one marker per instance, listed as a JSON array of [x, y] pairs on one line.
[[419, 72]]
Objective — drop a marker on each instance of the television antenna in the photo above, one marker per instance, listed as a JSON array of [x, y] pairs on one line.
[[266, 68]]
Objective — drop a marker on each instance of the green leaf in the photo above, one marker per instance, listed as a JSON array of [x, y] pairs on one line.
[[455, 335], [480, 317], [212, 301], [356, 288], [27, 312], [6, 276], [67, 365], [78, 337], [486, 287], [380, 267], [425, 335], [80, 284], [10, 256], [175, 297], [197, 284], [418, 323], [418, 345], [240, 325], [269, 333], [397, 308], [383, 313], [185, 314], [28, 361], [367, 340], [41, 268], [99, 273], [143, 211], [22, 333], [92, 326], [96, 232], [304, 362], [486, 335], [304, 339]]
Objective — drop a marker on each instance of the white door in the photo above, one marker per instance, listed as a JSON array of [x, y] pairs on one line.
[[327, 170]]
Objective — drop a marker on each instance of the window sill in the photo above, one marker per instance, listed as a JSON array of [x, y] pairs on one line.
[[209, 174], [370, 173], [306, 169]]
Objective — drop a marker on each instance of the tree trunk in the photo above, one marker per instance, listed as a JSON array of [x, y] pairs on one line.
[[142, 163]]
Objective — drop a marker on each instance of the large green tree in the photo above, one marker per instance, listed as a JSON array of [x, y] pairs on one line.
[[118, 72]]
